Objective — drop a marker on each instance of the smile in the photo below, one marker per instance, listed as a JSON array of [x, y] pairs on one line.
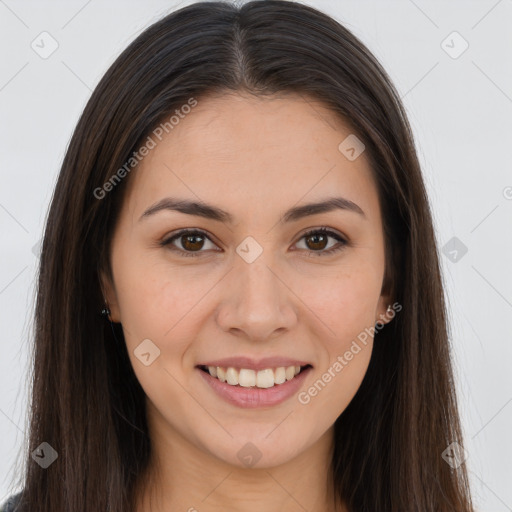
[[247, 378]]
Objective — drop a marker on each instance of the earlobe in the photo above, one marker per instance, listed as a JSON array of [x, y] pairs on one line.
[[109, 306], [386, 313]]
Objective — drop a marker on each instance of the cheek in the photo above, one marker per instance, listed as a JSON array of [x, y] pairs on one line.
[[153, 304], [342, 379], [345, 302], [348, 311], [158, 301]]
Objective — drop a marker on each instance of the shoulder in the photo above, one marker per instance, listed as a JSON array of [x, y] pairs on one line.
[[10, 504]]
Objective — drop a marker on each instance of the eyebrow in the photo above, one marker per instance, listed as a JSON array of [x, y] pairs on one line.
[[208, 211]]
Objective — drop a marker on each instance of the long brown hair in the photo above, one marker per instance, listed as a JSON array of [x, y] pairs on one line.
[[86, 401]]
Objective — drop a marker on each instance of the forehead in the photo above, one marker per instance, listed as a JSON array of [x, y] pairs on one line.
[[253, 152]]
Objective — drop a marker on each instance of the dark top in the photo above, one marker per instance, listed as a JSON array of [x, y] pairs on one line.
[[10, 504]]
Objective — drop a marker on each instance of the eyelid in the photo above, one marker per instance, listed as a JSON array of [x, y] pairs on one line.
[[169, 239], [327, 230], [186, 231], [330, 232]]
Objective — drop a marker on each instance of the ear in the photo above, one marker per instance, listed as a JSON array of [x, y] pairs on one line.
[[110, 296], [383, 315]]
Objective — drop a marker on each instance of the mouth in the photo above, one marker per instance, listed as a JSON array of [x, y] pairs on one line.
[[248, 378]]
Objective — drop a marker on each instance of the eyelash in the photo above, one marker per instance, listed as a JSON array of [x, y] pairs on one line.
[[323, 230]]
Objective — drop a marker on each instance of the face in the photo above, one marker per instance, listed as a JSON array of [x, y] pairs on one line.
[[244, 286]]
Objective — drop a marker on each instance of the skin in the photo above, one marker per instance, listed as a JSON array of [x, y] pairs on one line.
[[254, 158]]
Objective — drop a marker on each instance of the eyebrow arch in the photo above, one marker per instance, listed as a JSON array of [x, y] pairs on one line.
[[207, 211]]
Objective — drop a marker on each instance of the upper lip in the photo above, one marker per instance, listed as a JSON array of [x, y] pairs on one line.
[[253, 364]]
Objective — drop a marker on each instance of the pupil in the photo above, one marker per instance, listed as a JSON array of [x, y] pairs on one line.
[[316, 237], [192, 240], [191, 237]]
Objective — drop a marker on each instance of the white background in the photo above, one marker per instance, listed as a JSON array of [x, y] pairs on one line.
[[460, 110]]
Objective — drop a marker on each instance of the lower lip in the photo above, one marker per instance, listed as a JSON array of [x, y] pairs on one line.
[[255, 397]]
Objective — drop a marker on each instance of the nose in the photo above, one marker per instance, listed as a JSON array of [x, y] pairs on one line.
[[257, 303]]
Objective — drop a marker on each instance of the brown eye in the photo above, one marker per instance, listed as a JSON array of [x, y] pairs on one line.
[[317, 240], [187, 242], [192, 242]]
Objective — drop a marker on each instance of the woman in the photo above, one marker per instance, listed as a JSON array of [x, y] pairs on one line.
[[242, 201]]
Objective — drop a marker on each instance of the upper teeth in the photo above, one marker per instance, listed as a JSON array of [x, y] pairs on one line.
[[248, 378]]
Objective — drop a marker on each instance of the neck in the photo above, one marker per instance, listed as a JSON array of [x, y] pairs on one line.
[[181, 476]]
